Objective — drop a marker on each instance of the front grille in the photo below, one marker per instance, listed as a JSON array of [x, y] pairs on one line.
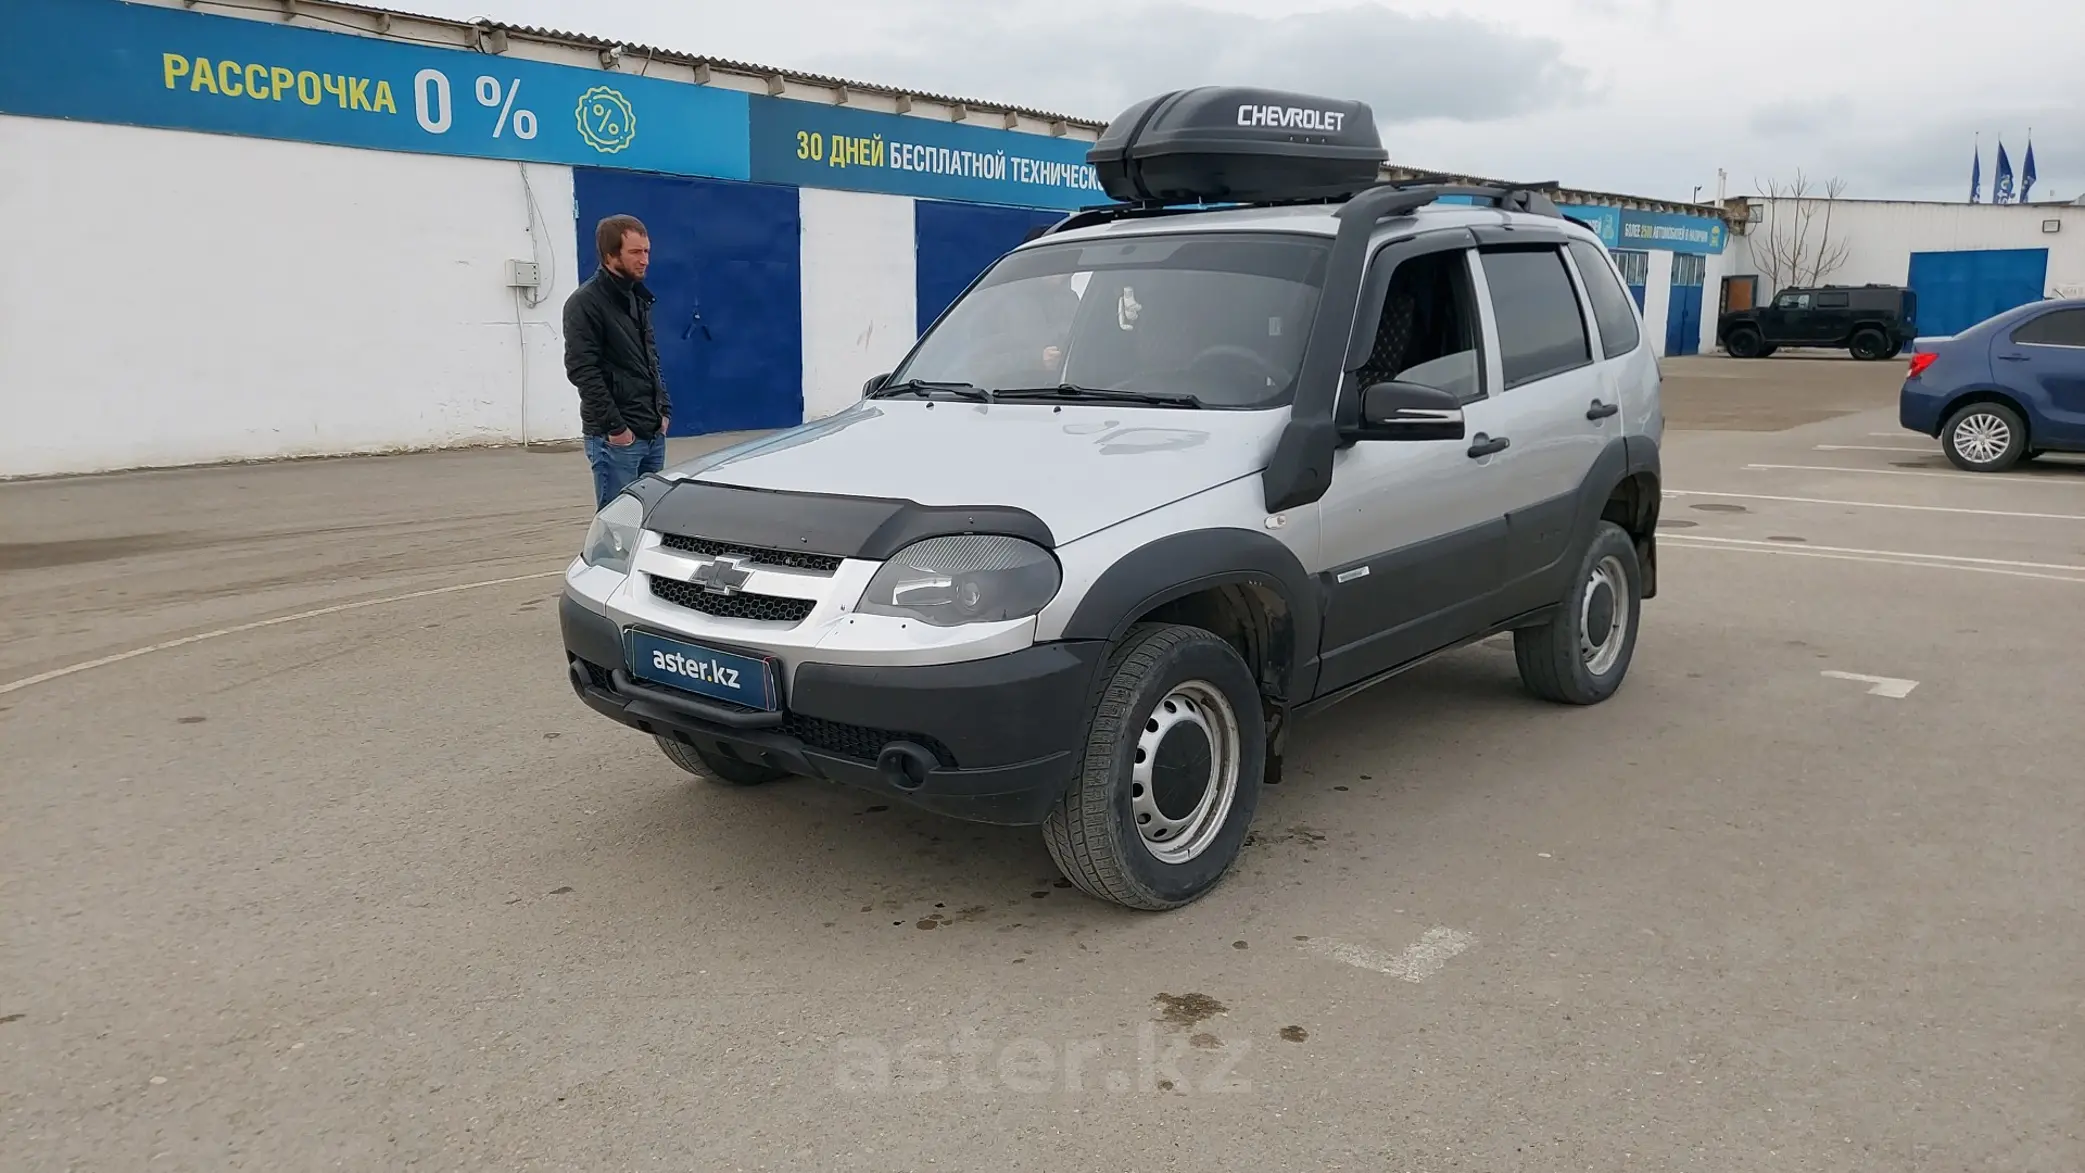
[[789, 559], [601, 677], [855, 741], [765, 608]]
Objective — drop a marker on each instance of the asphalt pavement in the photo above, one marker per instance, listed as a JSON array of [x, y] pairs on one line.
[[309, 858]]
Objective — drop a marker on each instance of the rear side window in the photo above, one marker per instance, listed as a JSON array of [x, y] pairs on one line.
[[1541, 332], [2062, 328], [1611, 304], [1833, 301]]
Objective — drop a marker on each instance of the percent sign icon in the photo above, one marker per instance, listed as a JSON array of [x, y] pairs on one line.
[[491, 93]]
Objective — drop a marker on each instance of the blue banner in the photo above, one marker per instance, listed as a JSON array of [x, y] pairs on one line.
[[141, 65], [1604, 220], [1670, 230], [810, 145]]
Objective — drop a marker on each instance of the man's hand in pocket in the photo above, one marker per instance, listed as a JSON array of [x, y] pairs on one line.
[[623, 439]]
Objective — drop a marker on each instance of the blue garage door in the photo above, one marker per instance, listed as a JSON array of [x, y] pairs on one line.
[[727, 270], [1956, 290], [955, 242], [1683, 318]]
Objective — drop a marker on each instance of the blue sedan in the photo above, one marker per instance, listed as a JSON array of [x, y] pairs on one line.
[[2005, 390]]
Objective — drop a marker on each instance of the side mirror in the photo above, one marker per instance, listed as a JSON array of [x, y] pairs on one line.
[[1409, 411], [875, 384]]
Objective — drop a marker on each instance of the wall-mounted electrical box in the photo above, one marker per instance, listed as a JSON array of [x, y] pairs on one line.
[[524, 274]]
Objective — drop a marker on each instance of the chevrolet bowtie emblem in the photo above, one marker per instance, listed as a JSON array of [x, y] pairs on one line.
[[723, 575]]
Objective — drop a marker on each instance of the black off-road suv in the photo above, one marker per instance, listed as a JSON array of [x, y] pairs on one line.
[[1872, 321]]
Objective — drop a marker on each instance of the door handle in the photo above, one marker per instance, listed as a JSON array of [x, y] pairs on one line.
[[2013, 357], [1600, 411], [1484, 446]]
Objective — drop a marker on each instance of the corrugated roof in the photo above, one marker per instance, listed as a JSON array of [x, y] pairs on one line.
[[654, 54], [635, 51]]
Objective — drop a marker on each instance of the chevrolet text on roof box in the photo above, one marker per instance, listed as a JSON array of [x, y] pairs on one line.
[[1292, 118]]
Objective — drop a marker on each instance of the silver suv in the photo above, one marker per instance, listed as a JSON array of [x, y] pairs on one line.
[[1160, 482]]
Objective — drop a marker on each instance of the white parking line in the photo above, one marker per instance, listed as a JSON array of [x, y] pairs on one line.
[[1904, 435], [1878, 505], [1888, 686], [1874, 448], [256, 625], [1982, 477], [1880, 558], [1961, 558], [1419, 960]]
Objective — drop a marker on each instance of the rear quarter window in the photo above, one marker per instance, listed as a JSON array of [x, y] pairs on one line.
[[1541, 331]]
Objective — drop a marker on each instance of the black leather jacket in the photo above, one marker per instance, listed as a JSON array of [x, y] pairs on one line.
[[612, 356]]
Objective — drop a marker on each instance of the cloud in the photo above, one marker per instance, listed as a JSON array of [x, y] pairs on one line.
[[1093, 63], [1797, 116]]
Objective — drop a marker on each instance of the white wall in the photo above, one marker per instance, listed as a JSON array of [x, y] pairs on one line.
[[174, 298], [1657, 297], [1718, 267], [1881, 235], [860, 293]]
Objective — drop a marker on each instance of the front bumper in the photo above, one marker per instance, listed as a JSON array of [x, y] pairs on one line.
[[992, 740]]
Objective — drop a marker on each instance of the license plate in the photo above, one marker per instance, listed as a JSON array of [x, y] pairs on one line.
[[742, 680]]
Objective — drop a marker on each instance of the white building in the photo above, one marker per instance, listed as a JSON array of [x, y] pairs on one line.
[[258, 231], [1965, 261]]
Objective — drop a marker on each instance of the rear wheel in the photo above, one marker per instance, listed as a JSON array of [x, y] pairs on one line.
[[1744, 342], [1869, 345], [1581, 656], [1985, 437], [1896, 348], [715, 767], [1170, 777]]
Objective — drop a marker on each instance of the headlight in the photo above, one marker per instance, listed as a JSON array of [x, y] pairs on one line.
[[971, 578], [612, 540]]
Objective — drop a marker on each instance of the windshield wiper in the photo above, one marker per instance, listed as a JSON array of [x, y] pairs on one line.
[[921, 387], [1100, 395]]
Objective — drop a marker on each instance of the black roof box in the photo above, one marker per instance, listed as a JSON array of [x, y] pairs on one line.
[[1218, 144]]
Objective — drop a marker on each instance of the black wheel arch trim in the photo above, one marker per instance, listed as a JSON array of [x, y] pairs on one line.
[[1173, 567]]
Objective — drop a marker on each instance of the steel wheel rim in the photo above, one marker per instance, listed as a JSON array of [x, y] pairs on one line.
[[1196, 706], [1600, 656], [1983, 438]]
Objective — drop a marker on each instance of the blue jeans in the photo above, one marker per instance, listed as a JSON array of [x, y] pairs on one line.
[[615, 468]]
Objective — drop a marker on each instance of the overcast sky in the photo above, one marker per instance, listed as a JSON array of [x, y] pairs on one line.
[[1645, 97]]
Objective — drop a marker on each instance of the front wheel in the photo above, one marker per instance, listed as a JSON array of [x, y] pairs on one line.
[[1745, 343], [1581, 656], [1175, 748], [1985, 437]]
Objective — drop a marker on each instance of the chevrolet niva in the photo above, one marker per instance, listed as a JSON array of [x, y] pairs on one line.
[[1179, 471]]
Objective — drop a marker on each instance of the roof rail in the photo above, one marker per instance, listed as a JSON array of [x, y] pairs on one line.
[[1395, 198]]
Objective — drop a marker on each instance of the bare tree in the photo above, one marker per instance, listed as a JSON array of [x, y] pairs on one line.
[[1793, 244]]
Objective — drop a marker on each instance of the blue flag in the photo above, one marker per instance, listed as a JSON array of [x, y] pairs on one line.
[[2002, 187], [1976, 176], [2027, 172]]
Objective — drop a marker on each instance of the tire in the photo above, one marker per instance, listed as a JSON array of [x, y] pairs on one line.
[[716, 768], [1159, 832], [1985, 437], [1896, 348], [1869, 345], [1744, 343], [1767, 351], [1556, 661]]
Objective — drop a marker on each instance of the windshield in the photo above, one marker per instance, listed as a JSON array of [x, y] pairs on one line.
[[1219, 318]]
